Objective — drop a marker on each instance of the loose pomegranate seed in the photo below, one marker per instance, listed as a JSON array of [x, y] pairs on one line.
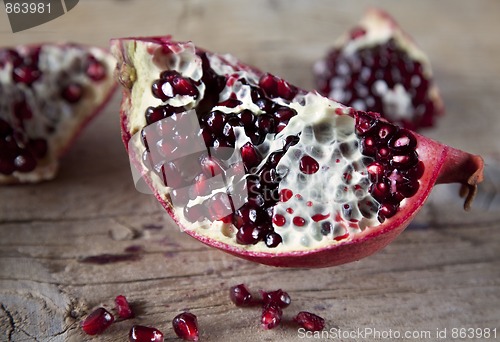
[[123, 307], [98, 321], [271, 316], [278, 297], [240, 295], [310, 321], [186, 326], [140, 333]]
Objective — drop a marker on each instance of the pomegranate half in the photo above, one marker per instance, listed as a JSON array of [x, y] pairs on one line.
[[48, 93], [377, 66], [246, 162]]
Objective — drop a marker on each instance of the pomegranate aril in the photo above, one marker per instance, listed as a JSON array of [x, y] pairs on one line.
[[299, 221], [219, 206], [251, 157], [10, 56], [123, 307], [271, 316], [388, 210], [72, 93], [273, 240], [240, 295], [140, 333], [26, 74], [215, 122], [265, 124], [211, 166], [249, 234], [96, 70], [98, 321], [186, 326], [308, 165], [247, 118], [25, 162], [403, 141], [310, 321], [279, 220], [278, 297], [405, 161]]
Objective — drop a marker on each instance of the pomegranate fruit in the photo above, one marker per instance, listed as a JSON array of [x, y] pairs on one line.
[[97, 321], [186, 326], [47, 94], [245, 162], [309, 321], [377, 67]]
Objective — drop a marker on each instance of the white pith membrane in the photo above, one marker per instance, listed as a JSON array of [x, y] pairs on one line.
[[379, 29], [323, 125], [54, 119]]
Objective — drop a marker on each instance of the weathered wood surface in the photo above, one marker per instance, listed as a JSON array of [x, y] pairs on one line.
[[443, 272]]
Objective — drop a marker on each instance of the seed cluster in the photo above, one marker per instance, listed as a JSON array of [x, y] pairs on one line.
[[358, 160], [382, 78], [22, 142]]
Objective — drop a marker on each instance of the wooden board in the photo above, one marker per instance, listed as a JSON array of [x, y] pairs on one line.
[[442, 273]]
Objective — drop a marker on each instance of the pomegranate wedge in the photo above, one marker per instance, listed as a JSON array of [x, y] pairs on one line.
[[246, 162], [376, 66], [48, 93]]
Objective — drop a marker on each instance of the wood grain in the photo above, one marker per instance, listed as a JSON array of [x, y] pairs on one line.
[[442, 272]]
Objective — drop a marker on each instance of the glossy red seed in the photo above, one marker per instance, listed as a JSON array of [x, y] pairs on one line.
[[186, 326], [240, 295], [249, 234], [26, 74], [98, 321], [310, 321], [285, 195], [251, 157], [278, 297], [279, 220], [299, 221], [271, 316], [123, 307], [308, 165], [140, 333], [273, 240]]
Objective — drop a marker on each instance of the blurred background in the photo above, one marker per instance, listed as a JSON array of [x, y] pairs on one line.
[[286, 37]]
